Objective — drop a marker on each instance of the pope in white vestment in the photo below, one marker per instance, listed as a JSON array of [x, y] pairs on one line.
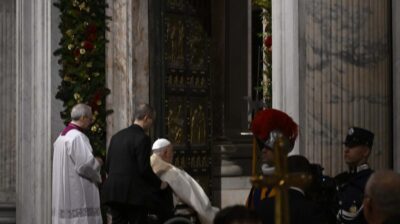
[[182, 184], [76, 173]]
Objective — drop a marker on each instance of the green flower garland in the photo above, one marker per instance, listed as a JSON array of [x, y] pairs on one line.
[[82, 60], [266, 17]]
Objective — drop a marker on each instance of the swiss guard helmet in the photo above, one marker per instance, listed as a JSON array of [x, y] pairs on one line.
[[268, 121]]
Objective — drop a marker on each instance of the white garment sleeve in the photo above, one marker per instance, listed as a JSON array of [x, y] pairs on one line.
[[85, 164], [191, 193]]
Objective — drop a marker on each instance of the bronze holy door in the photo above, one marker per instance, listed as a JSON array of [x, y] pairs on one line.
[[180, 82]]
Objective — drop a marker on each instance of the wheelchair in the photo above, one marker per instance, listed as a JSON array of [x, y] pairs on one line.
[[183, 214]]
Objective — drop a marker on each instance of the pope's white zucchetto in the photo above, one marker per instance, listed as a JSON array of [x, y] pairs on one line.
[[160, 144]]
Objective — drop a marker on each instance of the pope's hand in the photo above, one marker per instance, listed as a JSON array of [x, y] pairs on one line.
[[100, 160], [164, 185]]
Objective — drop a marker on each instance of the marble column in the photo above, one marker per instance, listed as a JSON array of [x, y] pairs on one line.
[[7, 102], [127, 61], [285, 58], [396, 83], [33, 111]]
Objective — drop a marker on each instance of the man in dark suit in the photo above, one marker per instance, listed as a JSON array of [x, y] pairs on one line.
[[351, 184], [131, 186]]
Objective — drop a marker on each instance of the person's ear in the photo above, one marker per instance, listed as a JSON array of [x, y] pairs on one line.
[[146, 117], [367, 151]]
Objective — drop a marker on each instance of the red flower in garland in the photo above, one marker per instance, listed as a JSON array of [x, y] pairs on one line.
[[91, 28], [76, 52], [269, 120], [90, 32], [95, 99], [87, 45], [268, 42], [91, 37]]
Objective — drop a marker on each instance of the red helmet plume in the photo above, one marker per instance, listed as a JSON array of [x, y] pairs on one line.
[[269, 120]]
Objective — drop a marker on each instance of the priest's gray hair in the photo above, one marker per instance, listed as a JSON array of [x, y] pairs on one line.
[[80, 110], [383, 187]]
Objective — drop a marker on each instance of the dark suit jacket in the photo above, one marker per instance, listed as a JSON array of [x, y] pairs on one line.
[[131, 179], [302, 210]]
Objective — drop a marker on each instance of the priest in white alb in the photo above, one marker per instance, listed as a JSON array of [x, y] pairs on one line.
[[76, 173], [181, 183]]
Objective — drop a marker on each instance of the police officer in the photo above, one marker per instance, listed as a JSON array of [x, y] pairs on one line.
[[351, 184]]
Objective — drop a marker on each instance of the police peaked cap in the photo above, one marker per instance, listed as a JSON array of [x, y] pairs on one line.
[[359, 136]]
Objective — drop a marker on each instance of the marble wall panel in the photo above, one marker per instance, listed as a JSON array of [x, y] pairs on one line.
[[345, 78]]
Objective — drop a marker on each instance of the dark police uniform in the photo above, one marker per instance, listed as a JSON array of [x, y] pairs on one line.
[[351, 194], [351, 184]]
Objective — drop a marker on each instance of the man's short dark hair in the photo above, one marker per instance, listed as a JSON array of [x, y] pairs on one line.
[[143, 110], [298, 163]]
